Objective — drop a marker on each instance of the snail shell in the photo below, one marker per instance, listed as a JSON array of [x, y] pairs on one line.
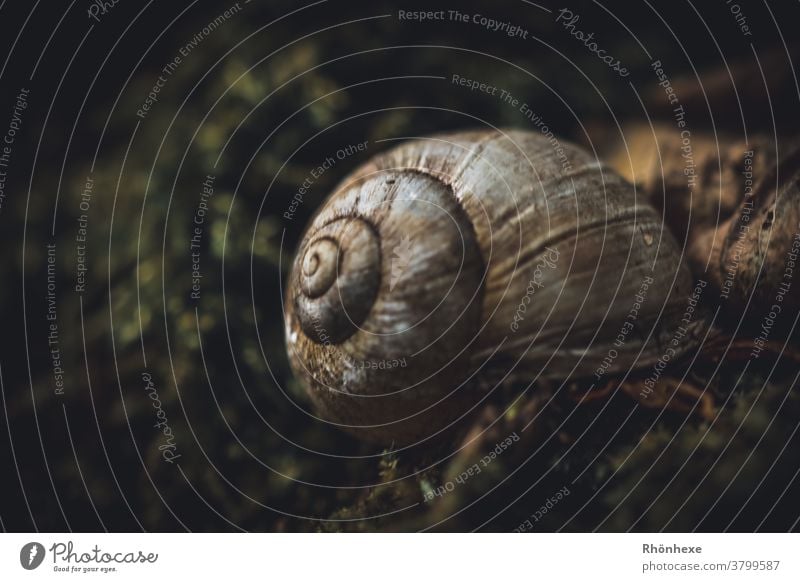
[[459, 256]]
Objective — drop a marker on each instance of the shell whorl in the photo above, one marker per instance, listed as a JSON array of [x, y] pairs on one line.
[[338, 279], [386, 286]]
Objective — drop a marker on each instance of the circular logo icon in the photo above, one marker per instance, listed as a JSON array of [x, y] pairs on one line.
[[31, 555]]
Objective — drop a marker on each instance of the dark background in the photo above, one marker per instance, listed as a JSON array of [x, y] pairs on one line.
[[319, 78]]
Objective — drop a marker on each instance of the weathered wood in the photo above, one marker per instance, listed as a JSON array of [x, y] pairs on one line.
[[738, 212]]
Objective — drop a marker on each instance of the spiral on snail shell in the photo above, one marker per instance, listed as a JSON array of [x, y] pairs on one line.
[[449, 256]]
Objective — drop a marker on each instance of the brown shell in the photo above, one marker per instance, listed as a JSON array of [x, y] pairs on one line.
[[503, 252]]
